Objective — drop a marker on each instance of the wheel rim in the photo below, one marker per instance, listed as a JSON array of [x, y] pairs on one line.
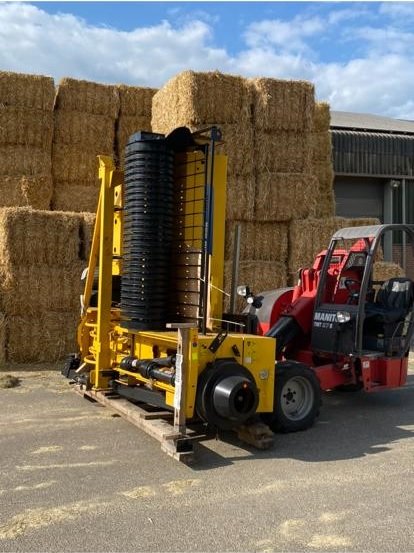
[[297, 398]]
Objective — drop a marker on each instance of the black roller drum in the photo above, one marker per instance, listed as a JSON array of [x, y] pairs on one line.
[[147, 231]]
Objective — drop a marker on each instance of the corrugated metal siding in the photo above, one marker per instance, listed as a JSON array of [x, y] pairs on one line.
[[368, 153]]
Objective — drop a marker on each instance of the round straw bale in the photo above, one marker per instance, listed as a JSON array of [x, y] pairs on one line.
[[28, 289], [258, 241], [282, 151], [135, 101], [127, 126], [74, 197], [89, 97], [281, 104], [201, 99], [321, 117], [240, 197], [33, 192], [74, 164], [47, 336], [26, 127], [285, 196], [26, 91], [21, 160], [95, 132], [38, 237]]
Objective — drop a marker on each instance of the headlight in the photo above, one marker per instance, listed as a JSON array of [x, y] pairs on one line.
[[343, 317]]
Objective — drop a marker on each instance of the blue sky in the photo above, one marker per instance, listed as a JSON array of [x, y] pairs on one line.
[[360, 55]]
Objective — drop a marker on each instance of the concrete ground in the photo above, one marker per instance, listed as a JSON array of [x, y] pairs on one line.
[[75, 478]]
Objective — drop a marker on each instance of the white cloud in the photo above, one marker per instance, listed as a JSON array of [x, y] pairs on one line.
[[33, 41], [286, 35], [379, 79]]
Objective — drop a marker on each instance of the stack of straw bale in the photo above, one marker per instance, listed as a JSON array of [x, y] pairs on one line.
[[26, 130], [321, 160], [42, 255], [310, 236], [134, 115], [84, 127], [282, 118], [266, 126]]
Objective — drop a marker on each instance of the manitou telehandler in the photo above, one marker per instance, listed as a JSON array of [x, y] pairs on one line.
[[156, 261], [337, 328]]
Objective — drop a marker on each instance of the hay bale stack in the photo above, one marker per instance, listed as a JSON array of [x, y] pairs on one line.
[[321, 160], [135, 106], [258, 275], [84, 127], [282, 118], [258, 241], [199, 100], [310, 236], [26, 130], [42, 255], [384, 270]]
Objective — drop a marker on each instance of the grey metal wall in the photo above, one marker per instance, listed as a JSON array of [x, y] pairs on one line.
[[374, 154], [359, 196]]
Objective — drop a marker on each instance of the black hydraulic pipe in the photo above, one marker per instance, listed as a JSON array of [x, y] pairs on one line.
[[151, 368]]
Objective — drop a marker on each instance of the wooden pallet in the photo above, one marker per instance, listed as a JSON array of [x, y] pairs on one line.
[[157, 423]]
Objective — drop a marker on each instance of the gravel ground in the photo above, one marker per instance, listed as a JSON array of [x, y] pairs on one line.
[[75, 478]]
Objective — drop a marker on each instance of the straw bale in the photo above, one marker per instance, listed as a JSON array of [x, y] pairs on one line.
[[258, 275], [87, 228], [239, 148], [282, 151], [74, 197], [194, 99], [76, 164], [128, 125], [282, 104], [87, 97], [384, 270], [46, 336], [33, 192], [259, 241], [321, 143], [31, 237], [74, 128], [28, 289], [26, 127], [321, 117], [324, 173], [240, 197], [21, 160], [285, 196], [3, 338], [135, 101], [26, 91], [310, 236]]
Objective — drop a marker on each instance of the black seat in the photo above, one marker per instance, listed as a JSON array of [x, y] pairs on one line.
[[394, 299], [387, 318]]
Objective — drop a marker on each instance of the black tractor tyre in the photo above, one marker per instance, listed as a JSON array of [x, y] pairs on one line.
[[297, 398]]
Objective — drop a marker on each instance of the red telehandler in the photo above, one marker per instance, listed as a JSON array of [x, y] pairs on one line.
[[337, 328]]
